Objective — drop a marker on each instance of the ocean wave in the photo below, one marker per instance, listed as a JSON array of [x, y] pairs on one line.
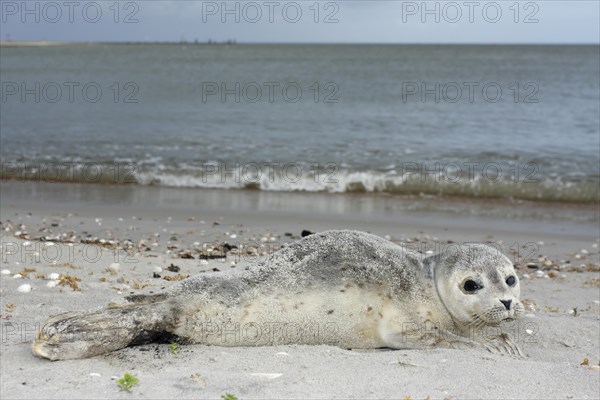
[[300, 177]]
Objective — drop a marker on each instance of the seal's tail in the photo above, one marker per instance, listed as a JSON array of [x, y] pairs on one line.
[[80, 335]]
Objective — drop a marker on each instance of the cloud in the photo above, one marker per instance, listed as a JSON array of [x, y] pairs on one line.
[[307, 21]]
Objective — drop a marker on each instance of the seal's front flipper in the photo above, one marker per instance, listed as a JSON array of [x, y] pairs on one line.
[[503, 344], [80, 335]]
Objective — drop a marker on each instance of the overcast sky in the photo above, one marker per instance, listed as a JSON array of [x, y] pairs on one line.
[[351, 21]]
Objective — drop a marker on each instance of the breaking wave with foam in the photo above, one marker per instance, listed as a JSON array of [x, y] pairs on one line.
[[499, 181]]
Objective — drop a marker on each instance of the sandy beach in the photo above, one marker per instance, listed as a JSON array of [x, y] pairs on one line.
[[79, 233]]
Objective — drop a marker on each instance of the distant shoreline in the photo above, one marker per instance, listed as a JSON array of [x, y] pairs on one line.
[[51, 43], [38, 44], [42, 43]]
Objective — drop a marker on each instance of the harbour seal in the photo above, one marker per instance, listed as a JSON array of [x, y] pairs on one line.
[[345, 288]]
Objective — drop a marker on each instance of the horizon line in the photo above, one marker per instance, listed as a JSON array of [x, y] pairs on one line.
[[234, 42]]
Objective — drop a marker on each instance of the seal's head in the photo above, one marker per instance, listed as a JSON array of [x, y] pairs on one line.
[[477, 284]]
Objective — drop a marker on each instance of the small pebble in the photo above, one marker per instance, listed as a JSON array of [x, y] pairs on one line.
[[25, 288], [54, 276], [584, 251], [114, 268], [94, 374], [578, 256], [233, 236], [5, 272], [157, 270], [539, 274], [529, 331], [173, 268], [17, 276], [52, 284]]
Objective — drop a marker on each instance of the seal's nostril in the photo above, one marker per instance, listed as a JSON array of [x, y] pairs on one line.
[[506, 303]]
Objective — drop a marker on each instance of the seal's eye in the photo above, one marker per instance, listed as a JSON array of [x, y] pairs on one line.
[[471, 286], [510, 281]]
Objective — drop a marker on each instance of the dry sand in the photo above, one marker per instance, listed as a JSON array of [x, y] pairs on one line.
[[560, 330]]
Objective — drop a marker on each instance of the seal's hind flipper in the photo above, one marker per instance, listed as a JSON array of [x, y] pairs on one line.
[[80, 335]]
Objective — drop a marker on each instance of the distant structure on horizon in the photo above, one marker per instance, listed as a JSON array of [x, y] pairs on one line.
[[210, 41]]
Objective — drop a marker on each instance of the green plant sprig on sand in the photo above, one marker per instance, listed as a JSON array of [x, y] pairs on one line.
[[127, 382], [174, 347]]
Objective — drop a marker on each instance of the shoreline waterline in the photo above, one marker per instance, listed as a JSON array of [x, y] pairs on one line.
[[332, 207]]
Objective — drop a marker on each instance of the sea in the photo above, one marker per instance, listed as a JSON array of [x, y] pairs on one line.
[[477, 121]]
